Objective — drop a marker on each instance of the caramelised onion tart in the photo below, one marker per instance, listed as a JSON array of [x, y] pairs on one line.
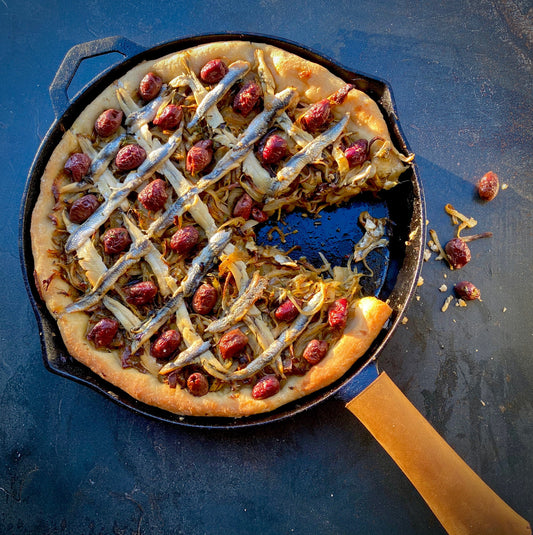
[[144, 233]]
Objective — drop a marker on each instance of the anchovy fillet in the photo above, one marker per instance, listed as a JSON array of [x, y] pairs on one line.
[[104, 157], [147, 113], [200, 266], [232, 159], [133, 181], [110, 277], [179, 207], [235, 71], [185, 357], [241, 305], [286, 338], [167, 284], [299, 136], [307, 155], [204, 261], [268, 84]]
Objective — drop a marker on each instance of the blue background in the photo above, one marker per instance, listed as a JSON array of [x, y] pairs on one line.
[[71, 461]]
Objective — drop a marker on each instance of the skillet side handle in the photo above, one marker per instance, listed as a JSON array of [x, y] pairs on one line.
[[461, 501], [72, 60]]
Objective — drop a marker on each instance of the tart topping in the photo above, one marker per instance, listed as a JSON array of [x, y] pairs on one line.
[[316, 116], [338, 314], [357, 153], [232, 343], [130, 157], [166, 345], [169, 118], [204, 299], [315, 351], [287, 311], [243, 207], [340, 95], [141, 293], [77, 166], [199, 156], [246, 99], [184, 240], [274, 150], [266, 387], [213, 71], [259, 215], [103, 332], [83, 208], [236, 71], [108, 122], [116, 240], [197, 384], [150, 86], [154, 196]]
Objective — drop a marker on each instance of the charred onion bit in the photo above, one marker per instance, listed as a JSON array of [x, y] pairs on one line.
[[488, 186], [338, 314], [458, 253], [476, 236], [266, 387], [467, 290], [103, 332]]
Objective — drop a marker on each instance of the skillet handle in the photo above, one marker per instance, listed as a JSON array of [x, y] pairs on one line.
[[74, 57], [461, 501]]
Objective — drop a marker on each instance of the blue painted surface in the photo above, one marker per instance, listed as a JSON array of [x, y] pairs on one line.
[[73, 462]]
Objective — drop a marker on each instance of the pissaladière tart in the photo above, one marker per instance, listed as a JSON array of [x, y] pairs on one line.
[[143, 233]]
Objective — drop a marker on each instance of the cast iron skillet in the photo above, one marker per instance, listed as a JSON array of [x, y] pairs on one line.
[[395, 269], [436, 471]]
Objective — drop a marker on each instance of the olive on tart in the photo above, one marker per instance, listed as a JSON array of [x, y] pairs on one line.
[[144, 231]]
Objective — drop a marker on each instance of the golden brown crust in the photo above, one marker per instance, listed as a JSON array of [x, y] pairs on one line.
[[368, 315], [367, 320]]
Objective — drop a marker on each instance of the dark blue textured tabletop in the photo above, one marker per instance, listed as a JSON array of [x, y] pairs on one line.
[[71, 461]]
